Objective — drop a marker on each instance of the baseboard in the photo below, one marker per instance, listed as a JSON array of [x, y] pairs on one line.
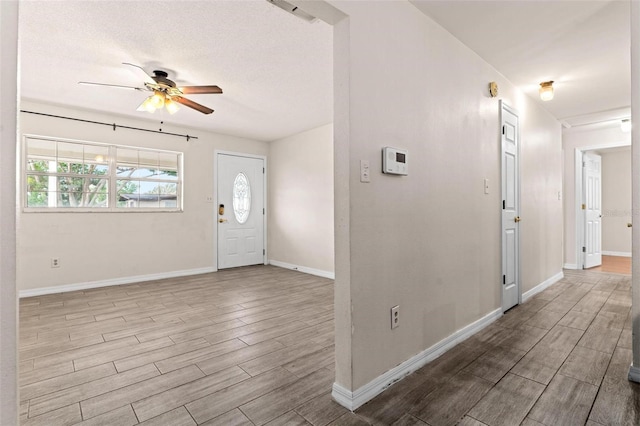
[[353, 400], [305, 269], [634, 374], [616, 253], [115, 281], [543, 285], [570, 266]]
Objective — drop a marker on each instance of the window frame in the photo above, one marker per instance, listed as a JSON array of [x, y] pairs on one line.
[[111, 175]]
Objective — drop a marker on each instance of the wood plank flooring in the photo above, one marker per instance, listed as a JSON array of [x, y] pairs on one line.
[[254, 346], [615, 264]]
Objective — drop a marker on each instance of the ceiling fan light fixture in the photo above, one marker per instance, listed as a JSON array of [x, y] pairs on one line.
[[158, 99], [171, 106], [546, 90], [147, 105]]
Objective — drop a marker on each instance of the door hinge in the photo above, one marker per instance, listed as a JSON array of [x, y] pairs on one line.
[[504, 204], [584, 249], [263, 210], [584, 207], [504, 279], [584, 164], [263, 252], [263, 170], [504, 129]]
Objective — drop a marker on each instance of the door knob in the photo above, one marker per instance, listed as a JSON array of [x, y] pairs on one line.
[[629, 225], [517, 219]]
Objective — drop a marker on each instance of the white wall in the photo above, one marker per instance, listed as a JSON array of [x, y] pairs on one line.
[[8, 302], [428, 242], [301, 200], [98, 247], [616, 202], [582, 138]]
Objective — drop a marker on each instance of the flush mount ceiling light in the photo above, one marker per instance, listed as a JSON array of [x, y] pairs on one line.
[[625, 125], [546, 90]]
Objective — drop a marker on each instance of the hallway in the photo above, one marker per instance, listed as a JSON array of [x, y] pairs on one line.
[[561, 358]]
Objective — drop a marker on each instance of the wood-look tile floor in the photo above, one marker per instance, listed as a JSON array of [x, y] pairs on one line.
[[254, 346]]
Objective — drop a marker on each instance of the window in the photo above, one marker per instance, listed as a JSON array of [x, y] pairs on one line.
[[241, 198], [70, 175]]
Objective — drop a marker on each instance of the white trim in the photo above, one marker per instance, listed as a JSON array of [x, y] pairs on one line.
[[305, 269], [570, 266], [353, 400], [634, 374], [114, 281], [578, 208], [543, 285], [616, 253]]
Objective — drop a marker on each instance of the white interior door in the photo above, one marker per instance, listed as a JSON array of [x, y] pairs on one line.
[[240, 209], [592, 202], [510, 209]]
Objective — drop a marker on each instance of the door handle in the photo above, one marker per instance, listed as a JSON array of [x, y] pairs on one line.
[[222, 220], [629, 225], [517, 219]]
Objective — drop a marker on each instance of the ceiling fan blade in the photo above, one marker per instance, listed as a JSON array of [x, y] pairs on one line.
[[148, 78], [88, 83], [189, 103], [196, 90]]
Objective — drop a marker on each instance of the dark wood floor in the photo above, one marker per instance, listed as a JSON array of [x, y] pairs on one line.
[[254, 346]]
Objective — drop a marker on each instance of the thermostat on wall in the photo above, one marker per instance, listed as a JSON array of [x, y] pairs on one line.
[[395, 161]]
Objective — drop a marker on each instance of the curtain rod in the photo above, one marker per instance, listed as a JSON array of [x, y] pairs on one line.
[[114, 125]]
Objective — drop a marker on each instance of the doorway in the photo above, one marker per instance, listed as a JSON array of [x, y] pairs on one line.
[[602, 204], [592, 209], [241, 213]]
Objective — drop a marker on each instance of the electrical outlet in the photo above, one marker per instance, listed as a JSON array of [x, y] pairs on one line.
[[55, 262], [395, 316]]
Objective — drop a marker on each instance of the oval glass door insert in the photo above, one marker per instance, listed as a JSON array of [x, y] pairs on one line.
[[241, 198]]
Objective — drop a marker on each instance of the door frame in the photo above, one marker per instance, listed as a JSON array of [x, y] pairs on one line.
[[578, 195], [214, 211], [503, 107], [585, 211]]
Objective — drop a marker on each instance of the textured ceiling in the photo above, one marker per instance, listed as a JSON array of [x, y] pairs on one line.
[[582, 45], [274, 68]]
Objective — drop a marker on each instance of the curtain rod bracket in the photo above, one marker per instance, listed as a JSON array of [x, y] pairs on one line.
[[114, 127]]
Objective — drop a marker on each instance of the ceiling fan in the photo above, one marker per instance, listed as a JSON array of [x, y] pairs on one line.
[[165, 92]]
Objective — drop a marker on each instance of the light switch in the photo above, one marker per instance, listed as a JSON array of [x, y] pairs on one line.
[[486, 186], [365, 176]]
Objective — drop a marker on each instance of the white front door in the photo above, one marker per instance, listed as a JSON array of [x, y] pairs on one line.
[[592, 184], [240, 211], [510, 208]]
